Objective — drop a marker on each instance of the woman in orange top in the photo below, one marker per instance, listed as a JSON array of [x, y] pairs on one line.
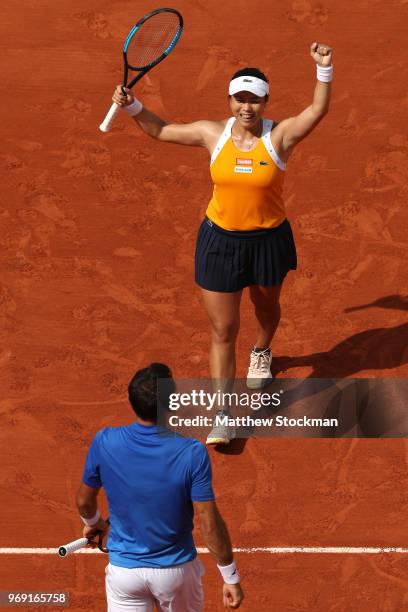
[[245, 239]]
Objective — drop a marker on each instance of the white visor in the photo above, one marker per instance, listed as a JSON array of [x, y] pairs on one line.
[[249, 83]]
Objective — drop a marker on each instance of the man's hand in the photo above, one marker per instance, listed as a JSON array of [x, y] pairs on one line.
[[322, 54], [232, 595], [100, 528]]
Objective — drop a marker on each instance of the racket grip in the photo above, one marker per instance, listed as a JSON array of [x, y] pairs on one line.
[[71, 547], [107, 122]]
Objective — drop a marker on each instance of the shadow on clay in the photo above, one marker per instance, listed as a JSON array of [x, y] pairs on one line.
[[396, 302], [374, 349]]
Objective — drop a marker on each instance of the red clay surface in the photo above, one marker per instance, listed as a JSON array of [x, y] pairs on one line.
[[97, 242]]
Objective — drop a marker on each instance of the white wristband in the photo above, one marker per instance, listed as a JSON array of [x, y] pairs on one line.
[[135, 108], [93, 520], [324, 73], [229, 573]]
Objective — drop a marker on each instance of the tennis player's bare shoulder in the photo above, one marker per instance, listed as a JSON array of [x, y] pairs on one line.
[[211, 131], [277, 140]]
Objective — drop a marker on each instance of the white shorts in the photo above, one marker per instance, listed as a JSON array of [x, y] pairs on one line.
[[170, 589]]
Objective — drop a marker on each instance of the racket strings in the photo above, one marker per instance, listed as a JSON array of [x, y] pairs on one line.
[[152, 39]]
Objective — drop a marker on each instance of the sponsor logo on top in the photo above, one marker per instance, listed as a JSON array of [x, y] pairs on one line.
[[243, 165]]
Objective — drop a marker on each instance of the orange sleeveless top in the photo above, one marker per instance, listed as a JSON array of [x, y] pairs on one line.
[[247, 184]]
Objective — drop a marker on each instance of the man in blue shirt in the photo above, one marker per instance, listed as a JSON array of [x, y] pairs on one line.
[[154, 482]]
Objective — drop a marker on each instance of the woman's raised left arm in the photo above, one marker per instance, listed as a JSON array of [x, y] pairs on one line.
[[294, 129]]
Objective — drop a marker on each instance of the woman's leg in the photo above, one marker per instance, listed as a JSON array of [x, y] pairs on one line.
[[223, 311], [267, 312]]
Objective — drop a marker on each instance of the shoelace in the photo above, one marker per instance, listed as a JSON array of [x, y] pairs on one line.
[[260, 361]]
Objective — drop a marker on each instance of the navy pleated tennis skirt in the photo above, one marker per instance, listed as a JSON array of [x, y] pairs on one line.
[[229, 261]]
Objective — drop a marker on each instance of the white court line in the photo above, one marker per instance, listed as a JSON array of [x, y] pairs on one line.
[[330, 550]]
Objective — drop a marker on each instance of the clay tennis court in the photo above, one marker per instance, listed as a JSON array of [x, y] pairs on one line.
[[97, 280]]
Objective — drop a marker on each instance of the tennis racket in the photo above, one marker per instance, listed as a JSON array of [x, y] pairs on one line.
[[148, 43], [71, 547]]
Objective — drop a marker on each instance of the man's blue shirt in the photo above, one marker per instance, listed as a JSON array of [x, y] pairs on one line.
[[150, 479]]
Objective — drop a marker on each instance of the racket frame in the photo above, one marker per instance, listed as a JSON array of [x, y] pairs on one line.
[[144, 69], [115, 108]]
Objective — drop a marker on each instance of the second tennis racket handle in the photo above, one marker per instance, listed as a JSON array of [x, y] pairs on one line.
[[65, 550], [110, 117]]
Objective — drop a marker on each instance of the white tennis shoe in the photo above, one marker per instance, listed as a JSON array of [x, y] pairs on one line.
[[259, 371], [220, 434]]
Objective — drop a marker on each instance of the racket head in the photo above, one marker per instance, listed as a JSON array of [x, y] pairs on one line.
[[151, 39]]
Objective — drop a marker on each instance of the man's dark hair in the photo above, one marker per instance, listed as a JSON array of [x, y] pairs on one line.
[[255, 72], [145, 394]]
